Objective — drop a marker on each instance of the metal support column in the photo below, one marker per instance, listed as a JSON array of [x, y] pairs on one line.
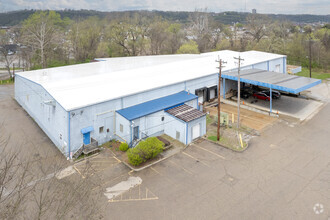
[[224, 88], [271, 99]]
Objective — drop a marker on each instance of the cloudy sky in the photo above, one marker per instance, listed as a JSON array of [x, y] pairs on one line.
[[262, 6]]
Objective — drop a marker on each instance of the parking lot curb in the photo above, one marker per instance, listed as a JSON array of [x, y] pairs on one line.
[[239, 151], [149, 165]]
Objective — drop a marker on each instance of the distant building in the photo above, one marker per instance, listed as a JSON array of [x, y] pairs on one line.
[[254, 11]]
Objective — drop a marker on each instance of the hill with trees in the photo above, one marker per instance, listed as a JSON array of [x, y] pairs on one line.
[[16, 17]]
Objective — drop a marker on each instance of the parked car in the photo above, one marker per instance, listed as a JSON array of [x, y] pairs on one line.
[[261, 95], [275, 94], [244, 94]]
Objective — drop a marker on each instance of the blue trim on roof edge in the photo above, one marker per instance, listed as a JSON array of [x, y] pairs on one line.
[[120, 112]]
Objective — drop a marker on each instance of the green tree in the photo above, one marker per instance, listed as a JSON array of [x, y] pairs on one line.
[[191, 47], [158, 36], [176, 36], [41, 32], [85, 38]]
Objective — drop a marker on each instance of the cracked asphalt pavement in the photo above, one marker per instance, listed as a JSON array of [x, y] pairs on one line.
[[284, 174]]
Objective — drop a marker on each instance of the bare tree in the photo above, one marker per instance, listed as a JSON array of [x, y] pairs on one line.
[[85, 37], [200, 29], [39, 31], [37, 189], [14, 175], [6, 54], [158, 36], [257, 26]]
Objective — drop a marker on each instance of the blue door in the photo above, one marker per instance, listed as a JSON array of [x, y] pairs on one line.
[[87, 138], [136, 133]]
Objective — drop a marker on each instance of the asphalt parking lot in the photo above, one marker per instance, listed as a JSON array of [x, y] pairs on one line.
[[284, 174]]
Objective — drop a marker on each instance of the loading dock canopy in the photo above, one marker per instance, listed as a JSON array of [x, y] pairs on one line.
[[279, 81]]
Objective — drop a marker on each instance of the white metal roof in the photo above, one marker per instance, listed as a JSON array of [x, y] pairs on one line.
[[81, 85]]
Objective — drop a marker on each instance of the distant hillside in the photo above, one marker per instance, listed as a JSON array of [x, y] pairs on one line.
[[16, 17]]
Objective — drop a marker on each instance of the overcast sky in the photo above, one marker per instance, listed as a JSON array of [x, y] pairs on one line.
[[262, 6]]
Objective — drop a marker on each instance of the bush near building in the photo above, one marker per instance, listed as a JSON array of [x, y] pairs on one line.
[[145, 150], [123, 147]]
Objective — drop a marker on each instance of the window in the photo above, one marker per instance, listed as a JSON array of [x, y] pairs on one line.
[[101, 129], [178, 135], [108, 130], [121, 128], [163, 118]]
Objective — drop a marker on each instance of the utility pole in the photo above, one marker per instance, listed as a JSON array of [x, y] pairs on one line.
[[310, 57], [219, 86], [238, 89]]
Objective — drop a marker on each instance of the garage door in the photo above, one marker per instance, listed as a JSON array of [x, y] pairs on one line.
[[196, 131], [212, 93]]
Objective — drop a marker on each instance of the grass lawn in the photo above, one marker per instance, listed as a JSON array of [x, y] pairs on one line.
[[316, 73], [6, 81]]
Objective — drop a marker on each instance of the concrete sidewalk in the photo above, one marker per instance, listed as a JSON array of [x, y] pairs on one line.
[[289, 106]]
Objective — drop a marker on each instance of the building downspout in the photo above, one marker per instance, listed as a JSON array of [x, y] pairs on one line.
[[69, 140], [186, 133], [131, 133]]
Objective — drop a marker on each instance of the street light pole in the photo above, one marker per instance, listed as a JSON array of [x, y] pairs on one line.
[[310, 57]]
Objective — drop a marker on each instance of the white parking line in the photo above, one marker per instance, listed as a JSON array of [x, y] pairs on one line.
[[188, 155], [211, 152]]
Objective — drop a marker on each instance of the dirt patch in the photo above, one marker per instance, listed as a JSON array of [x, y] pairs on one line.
[[248, 118], [229, 137]]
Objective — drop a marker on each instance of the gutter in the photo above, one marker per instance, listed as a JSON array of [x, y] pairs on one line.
[[69, 139], [186, 133]]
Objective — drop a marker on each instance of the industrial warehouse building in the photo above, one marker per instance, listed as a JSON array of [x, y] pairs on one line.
[[130, 98]]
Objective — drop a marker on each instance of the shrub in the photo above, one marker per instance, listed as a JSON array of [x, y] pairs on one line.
[[134, 157], [123, 147], [145, 150]]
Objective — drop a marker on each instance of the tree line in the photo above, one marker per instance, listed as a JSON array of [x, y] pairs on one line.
[[46, 39]]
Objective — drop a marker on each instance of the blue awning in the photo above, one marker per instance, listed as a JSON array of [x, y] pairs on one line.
[[156, 105], [87, 129]]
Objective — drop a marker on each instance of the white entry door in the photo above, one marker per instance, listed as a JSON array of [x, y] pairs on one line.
[[278, 66], [196, 131]]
